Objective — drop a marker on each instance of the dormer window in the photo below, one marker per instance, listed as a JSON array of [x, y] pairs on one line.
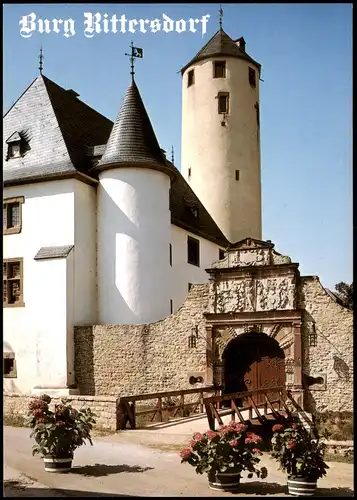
[[16, 146]]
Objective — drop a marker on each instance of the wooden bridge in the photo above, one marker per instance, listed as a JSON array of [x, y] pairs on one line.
[[251, 407]]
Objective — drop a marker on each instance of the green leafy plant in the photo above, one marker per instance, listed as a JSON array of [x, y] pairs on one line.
[[299, 452], [59, 432], [231, 449]]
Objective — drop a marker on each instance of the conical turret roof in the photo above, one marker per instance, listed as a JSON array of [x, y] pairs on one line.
[[132, 141], [220, 44]]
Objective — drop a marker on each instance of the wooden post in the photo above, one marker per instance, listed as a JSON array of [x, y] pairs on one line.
[[182, 403], [201, 402], [160, 408]]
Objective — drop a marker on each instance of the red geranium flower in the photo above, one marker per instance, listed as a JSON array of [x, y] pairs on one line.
[[278, 428], [185, 453], [291, 444]]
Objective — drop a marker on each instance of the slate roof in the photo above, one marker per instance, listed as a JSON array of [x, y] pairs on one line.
[[132, 140], [66, 137], [59, 129], [220, 44], [53, 252]]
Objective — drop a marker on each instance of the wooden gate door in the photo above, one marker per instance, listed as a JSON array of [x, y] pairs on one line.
[[266, 371]]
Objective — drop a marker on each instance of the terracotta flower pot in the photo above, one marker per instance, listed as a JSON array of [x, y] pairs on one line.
[[224, 481], [301, 487], [58, 464]]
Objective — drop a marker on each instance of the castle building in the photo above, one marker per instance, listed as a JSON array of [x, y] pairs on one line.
[[107, 243]]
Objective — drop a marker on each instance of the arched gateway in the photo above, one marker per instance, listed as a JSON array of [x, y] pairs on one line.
[[253, 361]]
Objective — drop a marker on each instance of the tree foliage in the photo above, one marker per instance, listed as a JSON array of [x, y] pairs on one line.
[[345, 293]]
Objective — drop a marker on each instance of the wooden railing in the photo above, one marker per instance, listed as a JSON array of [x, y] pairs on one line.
[[127, 412], [213, 404]]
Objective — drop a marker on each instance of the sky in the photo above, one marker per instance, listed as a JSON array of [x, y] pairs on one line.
[[305, 101]]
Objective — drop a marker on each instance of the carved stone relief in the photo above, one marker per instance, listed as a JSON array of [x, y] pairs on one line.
[[253, 295]]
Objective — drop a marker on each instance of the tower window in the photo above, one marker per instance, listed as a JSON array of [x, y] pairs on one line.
[[189, 286], [223, 103], [193, 251], [219, 69], [257, 112], [189, 172], [252, 77], [170, 253], [237, 175], [190, 78], [221, 254], [171, 306]]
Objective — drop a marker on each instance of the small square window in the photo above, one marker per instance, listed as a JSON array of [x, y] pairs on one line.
[[9, 366], [190, 78], [221, 254], [219, 69], [223, 103], [13, 283], [252, 77], [193, 251]]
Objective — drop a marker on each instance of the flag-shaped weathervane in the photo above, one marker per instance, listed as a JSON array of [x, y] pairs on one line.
[[135, 52]]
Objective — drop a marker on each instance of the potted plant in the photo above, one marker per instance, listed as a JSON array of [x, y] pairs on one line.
[[224, 455], [58, 433], [301, 454]]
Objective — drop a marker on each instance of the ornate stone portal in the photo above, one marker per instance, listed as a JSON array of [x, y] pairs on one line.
[[254, 289]]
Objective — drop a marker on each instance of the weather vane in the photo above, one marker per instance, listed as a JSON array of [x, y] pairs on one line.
[[135, 52], [220, 16], [40, 58]]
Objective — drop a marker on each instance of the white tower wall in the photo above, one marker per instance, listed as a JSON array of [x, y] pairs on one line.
[[134, 233], [214, 152]]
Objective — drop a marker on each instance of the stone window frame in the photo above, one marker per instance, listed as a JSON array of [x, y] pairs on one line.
[[223, 109], [219, 69], [7, 280], [191, 244], [13, 372], [7, 204]]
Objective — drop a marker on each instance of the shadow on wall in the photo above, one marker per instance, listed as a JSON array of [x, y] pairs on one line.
[[341, 368], [119, 224]]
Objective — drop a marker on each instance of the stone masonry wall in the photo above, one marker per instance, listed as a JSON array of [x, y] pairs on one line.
[[121, 360], [104, 407], [329, 353]]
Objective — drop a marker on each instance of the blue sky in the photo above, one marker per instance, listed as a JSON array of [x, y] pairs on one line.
[[305, 101]]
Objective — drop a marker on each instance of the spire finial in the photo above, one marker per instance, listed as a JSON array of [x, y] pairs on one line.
[[172, 155], [40, 58], [220, 17], [135, 52]]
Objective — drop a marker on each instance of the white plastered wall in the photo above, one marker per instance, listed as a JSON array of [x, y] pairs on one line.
[[36, 333], [184, 273], [133, 246]]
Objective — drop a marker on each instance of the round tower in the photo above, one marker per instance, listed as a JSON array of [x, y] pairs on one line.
[[220, 135], [134, 227]]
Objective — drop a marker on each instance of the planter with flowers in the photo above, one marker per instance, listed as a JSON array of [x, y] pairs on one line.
[[224, 455], [301, 455], [58, 433]]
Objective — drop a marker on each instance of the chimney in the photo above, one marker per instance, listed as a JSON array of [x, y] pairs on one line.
[[73, 93], [241, 43]]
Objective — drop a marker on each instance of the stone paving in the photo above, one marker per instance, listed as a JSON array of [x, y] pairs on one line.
[[124, 464]]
